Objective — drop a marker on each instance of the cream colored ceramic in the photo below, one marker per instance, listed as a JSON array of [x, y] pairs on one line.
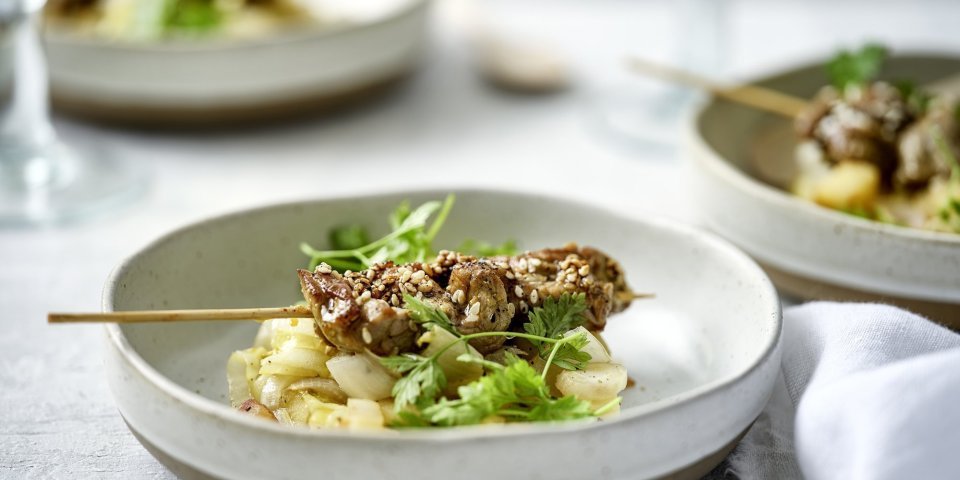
[[183, 82], [742, 159], [704, 353]]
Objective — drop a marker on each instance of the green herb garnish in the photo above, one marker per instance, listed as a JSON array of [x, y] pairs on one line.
[[194, 15], [551, 320], [409, 241], [427, 315], [349, 237], [854, 68], [514, 391]]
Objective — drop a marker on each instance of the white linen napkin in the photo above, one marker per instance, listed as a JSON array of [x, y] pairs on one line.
[[866, 391]]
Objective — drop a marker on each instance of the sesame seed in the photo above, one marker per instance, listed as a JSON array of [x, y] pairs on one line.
[[534, 297], [511, 310], [458, 296], [324, 268], [425, 287], [509, 275], [571, 277], [419, 295], [518, 290], [535, 262], [367, 338], [417, 276], [523, 307], [410, 288], [475, 309], [370, 274], [584, 270], [471, 320], [522, 264], [393, 299], [405, 276]]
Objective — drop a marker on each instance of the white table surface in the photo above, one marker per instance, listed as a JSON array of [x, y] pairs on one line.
[[443, 128]]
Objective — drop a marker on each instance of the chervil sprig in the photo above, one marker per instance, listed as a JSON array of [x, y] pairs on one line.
[[852, 68], [410, 240], [551, 320], [423, 380], [513, 391]]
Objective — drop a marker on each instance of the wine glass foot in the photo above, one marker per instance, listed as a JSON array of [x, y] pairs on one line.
[[55, 184]]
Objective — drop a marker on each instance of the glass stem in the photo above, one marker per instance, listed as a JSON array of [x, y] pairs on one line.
[[28, 118]]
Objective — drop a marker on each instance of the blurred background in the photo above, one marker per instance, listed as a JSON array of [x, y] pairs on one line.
[[165, 112]]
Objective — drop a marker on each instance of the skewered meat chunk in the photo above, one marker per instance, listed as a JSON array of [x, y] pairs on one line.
[[859, 124], [364, 310], [921, 158], [479, 284], [340, 318]]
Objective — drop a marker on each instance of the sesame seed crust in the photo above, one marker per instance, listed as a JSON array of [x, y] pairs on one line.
[[477, 294]]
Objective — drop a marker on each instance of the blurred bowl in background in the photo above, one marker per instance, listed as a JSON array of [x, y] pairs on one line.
[[225, 80], [743, 162]]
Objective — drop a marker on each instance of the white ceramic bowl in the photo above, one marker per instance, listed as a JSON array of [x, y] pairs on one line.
[[704, 353], [216, 81], [742, 160]]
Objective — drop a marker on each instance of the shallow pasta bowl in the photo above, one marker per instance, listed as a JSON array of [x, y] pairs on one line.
[[743, 163], [184, 82], [704, 353]]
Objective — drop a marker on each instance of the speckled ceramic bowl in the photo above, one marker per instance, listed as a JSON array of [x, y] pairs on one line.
[[704, 353], [217, 81], [743, 161]]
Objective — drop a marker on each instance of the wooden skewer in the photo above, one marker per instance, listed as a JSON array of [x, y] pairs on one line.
[[628, 296], [752, 95], [150, 316], [295, 311]]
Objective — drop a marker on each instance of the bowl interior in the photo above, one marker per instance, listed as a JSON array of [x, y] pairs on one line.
[[715, 314], [761, 145]]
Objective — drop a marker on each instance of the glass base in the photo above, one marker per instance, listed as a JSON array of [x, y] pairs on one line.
[[53, 183]]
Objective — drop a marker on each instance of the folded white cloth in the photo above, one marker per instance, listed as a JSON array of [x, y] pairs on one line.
[[866, 392]]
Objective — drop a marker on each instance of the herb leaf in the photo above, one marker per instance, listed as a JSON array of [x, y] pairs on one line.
[[348, 237], [410, 240], [421, 385], [551, 320], [852, 68], [427, 314], [514, 392]]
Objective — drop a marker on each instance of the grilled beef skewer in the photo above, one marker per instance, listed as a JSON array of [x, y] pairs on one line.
[[363, 310]]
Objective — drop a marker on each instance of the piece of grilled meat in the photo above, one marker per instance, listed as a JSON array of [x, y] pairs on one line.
[[858, 124], [364, 310]]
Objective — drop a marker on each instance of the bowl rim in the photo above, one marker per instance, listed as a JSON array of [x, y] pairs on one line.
[[223, 412], [771, 194], [303, 34]]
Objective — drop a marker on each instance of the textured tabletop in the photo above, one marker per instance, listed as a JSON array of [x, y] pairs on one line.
[[443, 128]]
